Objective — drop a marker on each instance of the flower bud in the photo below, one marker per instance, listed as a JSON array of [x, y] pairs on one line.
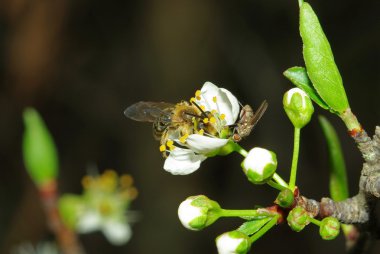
[[40, 154], [285, 198], [298, 107], [233, 242], [329, 228], [259, 165], [198, 212], [298, 218]]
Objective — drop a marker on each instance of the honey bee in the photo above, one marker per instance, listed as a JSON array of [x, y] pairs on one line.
[[170, 121], [247, 120]]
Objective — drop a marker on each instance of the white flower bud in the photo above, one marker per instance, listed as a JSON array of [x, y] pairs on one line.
[[198, 212], [259, 165], [233, 242]]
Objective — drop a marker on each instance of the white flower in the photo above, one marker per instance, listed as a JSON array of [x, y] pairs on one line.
[[223, 110], [232, 242], [259, 165], [188, 213]]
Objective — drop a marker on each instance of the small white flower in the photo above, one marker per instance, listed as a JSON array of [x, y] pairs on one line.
[[233, 242], [224, 109], [259, 165]]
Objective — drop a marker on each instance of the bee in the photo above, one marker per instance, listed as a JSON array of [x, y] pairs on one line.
[[247, 120], [170, 121]]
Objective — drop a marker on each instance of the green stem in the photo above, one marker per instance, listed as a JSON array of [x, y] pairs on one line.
[[264, 229], [296, 148], [350, 120], [276, 185], [315, 221], [300, 2], [242, 213], [240, 150], [279, 180]]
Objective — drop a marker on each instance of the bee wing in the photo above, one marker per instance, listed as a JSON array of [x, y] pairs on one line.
[[259, 112], [147, 111]]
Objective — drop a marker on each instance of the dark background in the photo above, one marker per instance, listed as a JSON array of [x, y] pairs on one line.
[[81, 63]]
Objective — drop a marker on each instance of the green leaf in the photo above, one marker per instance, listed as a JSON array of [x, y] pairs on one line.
[[40, 155], [319, 61], [338, 177], [298, 76], [251, 227]]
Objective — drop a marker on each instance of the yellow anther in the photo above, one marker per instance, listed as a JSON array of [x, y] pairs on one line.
[[201, 131], [170, 144], [110, 173], [214, 99], [192, 99], [213, 111], [126, 181], [87, 181], [222, 116], [212, 120], [162, 148], [198, 98], [133, 193], [198, 93], [205, 120], [183, 138], [202, 107]]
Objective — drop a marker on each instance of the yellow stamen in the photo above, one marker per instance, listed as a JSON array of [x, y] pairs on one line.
[[214, 99], [201, 131], [87, 181], [192, 99], [183, 138], [170, 144], [222, 116], [198, 93], [126, 181], [198, 98], [212, 120], [213, 111], [162, 148], [205, 120], [202, 107]]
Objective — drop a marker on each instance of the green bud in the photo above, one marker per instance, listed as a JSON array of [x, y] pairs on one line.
[[233, 242], [298, 218], [198, 212], [329, 228], [259, 165], [69, 206], [40, 155], [285, 198], [298, 107]]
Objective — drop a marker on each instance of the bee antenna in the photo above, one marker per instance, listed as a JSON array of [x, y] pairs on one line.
[[203, 113]]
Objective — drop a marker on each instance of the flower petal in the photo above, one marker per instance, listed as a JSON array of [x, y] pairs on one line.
[[117, 232], [226, 103], [183, 161], [203, 144], [89, 222]]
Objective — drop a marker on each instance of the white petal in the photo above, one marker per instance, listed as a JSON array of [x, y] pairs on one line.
[[183, 161], [226, 103], [89, 222], [227, 245], [187, 213], [117, 232], [235, 106], [203, 144]]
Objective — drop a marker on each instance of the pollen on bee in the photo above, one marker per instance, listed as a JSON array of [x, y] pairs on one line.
[[222, 116], [212, 120], [162, 148], [205, 120], [214, 99], [183, 138]]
